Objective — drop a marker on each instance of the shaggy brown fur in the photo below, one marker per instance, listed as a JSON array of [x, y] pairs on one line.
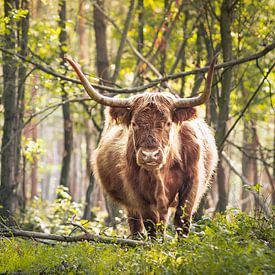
[[151, 156]]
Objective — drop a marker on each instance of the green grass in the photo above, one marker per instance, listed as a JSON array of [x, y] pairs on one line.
[[236, 244]]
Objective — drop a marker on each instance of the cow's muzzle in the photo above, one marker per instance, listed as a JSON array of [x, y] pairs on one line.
[[150, 159]]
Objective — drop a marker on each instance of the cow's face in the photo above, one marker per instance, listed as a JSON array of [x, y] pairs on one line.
[[152, 125], [151, 133]]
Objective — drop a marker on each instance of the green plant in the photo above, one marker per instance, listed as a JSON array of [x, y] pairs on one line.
[[226, 244]]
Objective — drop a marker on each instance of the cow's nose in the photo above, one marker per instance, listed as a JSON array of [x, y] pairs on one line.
[[150, 155]]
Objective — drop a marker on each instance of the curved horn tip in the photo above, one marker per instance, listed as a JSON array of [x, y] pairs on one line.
[[67, 57], [70, 60], [191, 102], [104, 100]]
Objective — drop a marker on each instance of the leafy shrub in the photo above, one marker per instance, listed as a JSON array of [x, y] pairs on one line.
[[234, 243], [52, 217]]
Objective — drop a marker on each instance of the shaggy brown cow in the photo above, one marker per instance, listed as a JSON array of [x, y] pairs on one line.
[[154, 151]]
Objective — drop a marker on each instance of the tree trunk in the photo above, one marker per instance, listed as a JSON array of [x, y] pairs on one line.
[[87, 215], [103, 72], [211, 111], [223, 101], [34, 167], [163, 46], [247, 166], [183, 58], [249, 154], [67, 122], [198, 77], [271, 179], [13, 98], [140, 26], [102, 62], [210, 117], [140, 38], [273, 193], [90, 134], [30, 131], [81, 31], [22, 73]]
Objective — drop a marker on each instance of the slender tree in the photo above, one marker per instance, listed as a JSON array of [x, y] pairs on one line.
[[140, 7], [227, 8], [249, 155], [67, 121], [102, 64], [249, 164], [89, 135], [198, 77], [123, 40], [164, 42], [183, 50], [273, 169], [140, 38], [22, 33]]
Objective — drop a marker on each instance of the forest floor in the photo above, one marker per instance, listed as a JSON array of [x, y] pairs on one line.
[[231, 244]]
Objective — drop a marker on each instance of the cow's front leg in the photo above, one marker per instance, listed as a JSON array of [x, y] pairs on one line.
[[135, 222], [150, 219], [163, 215], [183, 215], [162, 203]]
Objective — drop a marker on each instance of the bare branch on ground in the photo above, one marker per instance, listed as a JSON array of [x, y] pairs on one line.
[[69, 239]]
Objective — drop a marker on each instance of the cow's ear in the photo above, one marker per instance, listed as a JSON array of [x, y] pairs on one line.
[[121, 115], [184, 114]]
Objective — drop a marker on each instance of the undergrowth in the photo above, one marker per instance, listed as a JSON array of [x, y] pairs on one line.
[[234, 243]]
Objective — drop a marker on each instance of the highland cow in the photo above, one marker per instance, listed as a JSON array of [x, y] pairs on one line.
[[154, 153]]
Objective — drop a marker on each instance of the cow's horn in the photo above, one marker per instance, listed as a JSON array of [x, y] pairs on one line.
[[104, 100], [200, 99]]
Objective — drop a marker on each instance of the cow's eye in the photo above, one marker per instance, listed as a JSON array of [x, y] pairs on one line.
[[168, 124], [134, 125]]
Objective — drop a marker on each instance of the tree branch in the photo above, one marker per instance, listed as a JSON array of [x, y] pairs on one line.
[[183, 44], [87, 109], [213, 11], [165, 15], [154, 82], [249, 155], [168, 32], [245, 108], [122, 41], [84, 237]]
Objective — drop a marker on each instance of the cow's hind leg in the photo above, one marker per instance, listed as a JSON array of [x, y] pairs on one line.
[[135, 223]]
